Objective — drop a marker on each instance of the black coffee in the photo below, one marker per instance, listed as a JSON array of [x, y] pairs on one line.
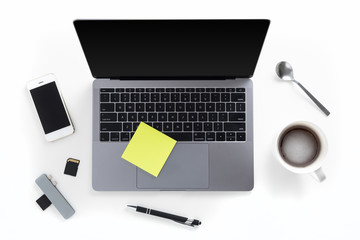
[[299, 146]]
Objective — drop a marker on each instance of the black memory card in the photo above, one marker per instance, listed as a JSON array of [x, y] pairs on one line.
[[71, 167]]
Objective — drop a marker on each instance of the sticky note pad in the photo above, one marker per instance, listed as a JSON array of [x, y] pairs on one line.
[[149, 149]]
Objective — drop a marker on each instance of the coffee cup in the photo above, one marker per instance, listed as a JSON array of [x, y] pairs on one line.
[[301, 148]]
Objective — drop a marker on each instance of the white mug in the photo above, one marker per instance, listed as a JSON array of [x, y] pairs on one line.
[[301, 148]]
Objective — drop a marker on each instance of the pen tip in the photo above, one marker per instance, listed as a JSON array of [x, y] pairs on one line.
[[131, 206]]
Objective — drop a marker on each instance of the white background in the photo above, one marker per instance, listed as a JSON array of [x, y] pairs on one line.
[[319, 38]]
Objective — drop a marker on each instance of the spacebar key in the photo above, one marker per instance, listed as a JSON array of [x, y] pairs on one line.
[[180, 136]]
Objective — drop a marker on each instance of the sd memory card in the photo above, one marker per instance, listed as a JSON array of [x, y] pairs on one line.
[[71, 167]]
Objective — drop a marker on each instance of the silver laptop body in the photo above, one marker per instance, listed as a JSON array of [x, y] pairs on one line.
[[198, 164]]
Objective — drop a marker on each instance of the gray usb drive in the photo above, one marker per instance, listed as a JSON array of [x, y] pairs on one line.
[[53, 194]]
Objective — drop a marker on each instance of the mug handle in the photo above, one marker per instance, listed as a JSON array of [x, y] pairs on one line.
[[319, 175]]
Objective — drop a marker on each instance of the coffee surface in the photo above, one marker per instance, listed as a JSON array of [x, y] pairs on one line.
[[299, 147]]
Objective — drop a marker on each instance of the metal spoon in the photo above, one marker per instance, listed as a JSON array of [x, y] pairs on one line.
[[285, 72]]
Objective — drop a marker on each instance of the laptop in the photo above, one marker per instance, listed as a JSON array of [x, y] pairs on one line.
[[189, 79]]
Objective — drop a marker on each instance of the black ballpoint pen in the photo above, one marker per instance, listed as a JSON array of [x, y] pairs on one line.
[[182, 220]]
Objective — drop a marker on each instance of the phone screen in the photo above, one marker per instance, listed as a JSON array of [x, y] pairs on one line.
[[50, 108]]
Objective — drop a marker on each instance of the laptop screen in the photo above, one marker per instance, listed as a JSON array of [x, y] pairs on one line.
[[148, 49]]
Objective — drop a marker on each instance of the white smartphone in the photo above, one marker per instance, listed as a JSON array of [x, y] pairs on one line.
[[50, 107]]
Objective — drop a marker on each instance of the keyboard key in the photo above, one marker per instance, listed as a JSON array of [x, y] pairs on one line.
[[213, 117], [180, 136], [215, 97], [135, 97], [182, 117], [140, 107], [199, 136], [200, 107], [185, 97], [135, 126], [240, 107], [236, 117], [225, 97], [220, 107], [160, 107], [230, 136], [208, 127], [223, 117], [203, 117], [132, 117], [129, 90], [125, 97], [198, 126], [230, 89], [238, 97], [205, 97], [200, 90], [157, 126], [220, 90], [218, 127], [145, 97], [175, 97], [130, 107], [230, 107], [114, 137], [210, 90], [149, 90], [142, 117], [120, 90], [120, 107], [195, 97], [122, 117], [167, 126], [240, 136], [234, 126], [193, 117], [170, 90], [110, 127], [172, 117], [180, 90], [220, 136], [190, 107], [210, 107], [125, 137], [180, 107], [104, 137], [150, 107], [165, 97], [107, 90], [155, 97], [210, 136], [160, 90], [107, 107], [190, 90], [162, 117], [104, 97], [188, 126], [115, 97], [140, 90], [177, 127], [106, 117], [152, 117], [127, 127], [170, 107], [240, 90]]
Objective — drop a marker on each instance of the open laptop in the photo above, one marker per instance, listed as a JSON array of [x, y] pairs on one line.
[[190, 79]]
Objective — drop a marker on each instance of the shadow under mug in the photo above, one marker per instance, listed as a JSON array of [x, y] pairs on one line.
[[313, 137]]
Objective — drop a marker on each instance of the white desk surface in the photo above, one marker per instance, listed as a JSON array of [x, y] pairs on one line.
[[320, 39]]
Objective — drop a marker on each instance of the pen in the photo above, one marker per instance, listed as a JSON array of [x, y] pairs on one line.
[[182, 220]]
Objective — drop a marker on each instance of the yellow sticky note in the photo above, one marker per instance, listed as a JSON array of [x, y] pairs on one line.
[[149, 149]]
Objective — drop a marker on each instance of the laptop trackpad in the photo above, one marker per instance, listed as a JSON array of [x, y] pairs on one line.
[[186, 168]]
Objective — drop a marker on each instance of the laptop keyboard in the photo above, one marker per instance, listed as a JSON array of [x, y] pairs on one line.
[[185, 114]]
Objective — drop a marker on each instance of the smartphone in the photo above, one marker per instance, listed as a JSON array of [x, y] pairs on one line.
[[50, 107]]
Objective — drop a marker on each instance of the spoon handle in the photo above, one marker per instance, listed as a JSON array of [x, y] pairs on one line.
[[314, 99]]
